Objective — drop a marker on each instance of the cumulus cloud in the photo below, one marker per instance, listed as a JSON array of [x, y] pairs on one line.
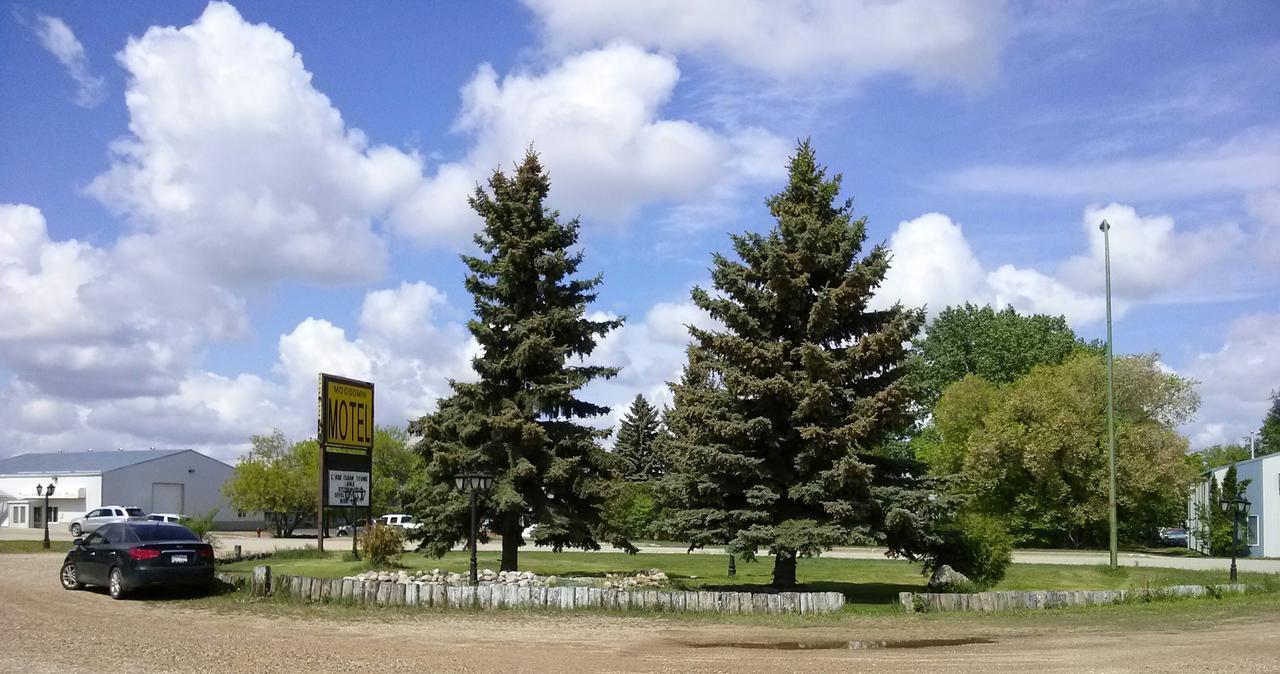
[[84, 322], [58, 38], [238, 166], [954, 42], [595, 120], [934, 265], [1236, 380]]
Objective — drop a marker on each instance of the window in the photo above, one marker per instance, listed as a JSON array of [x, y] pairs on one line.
[[132, 512], [101, 512], [37, 516], [19, 514], [93, 539], [109, 534], [149, 533], [53, 514], [1253, 530]]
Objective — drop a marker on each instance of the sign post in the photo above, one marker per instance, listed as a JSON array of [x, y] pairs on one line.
[[345, 434]]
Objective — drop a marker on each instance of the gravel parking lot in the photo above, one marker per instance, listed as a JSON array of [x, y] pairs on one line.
[[47, 629]]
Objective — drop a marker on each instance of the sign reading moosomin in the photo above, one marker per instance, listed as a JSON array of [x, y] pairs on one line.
[[346, 438]]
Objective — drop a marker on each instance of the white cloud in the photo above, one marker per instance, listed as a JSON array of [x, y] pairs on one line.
[[930, 41], [595, 121], [1236, 380], [238, 167], [57, 37], [651, 353], [83, 322], [1264, 208], [1249, 162], [934, 265]]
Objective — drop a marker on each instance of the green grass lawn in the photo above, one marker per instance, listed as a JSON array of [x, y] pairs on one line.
[[865, 582], [34, 546]]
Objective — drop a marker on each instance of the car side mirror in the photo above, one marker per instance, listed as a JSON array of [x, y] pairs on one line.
[[79, 542]]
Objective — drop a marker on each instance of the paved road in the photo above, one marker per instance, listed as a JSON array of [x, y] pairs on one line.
[[249, 543], [47, 629]]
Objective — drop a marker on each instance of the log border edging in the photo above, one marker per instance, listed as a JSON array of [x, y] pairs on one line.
[[510, 597]]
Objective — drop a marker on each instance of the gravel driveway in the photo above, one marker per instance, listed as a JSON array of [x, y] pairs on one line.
[[46, 629]]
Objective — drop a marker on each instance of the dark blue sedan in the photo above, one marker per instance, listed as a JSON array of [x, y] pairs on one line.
[[129, 555]]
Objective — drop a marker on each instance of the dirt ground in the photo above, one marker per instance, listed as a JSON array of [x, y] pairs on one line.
[[44, 628]]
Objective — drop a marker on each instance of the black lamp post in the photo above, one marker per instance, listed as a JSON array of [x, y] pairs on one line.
[[46, 492], [474, 483], [1235, 503]]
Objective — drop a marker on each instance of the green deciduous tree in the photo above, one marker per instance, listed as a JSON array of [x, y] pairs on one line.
[[1213, 517], [1268, 440], [635, 445], [1040, 455], [278, 478], [520, 421], [962, 410], [397, 470], [773, 409], [1221, 455], [998, 346]]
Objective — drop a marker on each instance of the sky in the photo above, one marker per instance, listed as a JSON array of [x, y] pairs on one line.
[[203, 206]]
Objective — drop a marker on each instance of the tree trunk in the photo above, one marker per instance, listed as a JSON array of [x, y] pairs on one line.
[[784, 568], [511, 541]]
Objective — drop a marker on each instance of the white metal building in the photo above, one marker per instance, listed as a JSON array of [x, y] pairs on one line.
[[181, 481], [1261, 528]]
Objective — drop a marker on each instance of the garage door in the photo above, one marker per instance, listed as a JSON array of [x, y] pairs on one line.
[[166, 497]]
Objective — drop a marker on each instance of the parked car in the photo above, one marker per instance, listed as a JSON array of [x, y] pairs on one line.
[[399, 520], [128, 555], [1173, 536], [345, 530], [103, 516], [165, 517]]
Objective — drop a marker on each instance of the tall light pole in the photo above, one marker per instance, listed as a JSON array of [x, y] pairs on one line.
[[46, 492], [1111, 412]]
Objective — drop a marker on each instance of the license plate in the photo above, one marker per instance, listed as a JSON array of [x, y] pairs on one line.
[[178, 559]]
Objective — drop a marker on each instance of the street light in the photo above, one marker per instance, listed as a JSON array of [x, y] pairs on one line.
[[474, 483], [46, 492], [1235, 503], [1111, 412]]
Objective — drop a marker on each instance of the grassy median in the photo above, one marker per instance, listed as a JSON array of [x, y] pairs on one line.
[[862, 581]]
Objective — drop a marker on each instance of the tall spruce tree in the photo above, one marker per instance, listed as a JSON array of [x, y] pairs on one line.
[[635, 444], [773, 409], [520, 420]]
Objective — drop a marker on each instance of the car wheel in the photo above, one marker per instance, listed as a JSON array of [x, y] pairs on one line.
[[70, 578], [76, 530], [115, 585]]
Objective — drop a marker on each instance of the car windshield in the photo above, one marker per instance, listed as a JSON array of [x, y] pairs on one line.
[[150, 533], [134, 512]]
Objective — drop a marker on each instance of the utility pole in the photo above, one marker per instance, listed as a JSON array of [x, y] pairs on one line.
[[1111, 413]]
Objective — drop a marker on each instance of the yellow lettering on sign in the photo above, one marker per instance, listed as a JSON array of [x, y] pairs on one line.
[[349, 415]]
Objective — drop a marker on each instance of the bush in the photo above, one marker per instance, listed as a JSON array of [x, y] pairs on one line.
[[979, 546], [202, 526], [382, 544]]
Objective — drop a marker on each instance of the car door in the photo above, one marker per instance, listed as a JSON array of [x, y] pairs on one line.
[[95, 519], [89, 562]]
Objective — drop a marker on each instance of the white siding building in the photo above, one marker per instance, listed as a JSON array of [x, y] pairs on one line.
[[1261, 528], [180, 481]]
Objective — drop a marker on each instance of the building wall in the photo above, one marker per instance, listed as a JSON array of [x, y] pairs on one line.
[[74, 495], [1263, 494], [200, 476]]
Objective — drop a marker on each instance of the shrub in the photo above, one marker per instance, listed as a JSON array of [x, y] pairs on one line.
[[382, 544], [202, 526], [979, 546]]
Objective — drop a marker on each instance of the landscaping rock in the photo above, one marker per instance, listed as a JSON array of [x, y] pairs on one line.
[[945, 577]]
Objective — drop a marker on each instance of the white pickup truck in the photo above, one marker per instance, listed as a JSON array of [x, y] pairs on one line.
[[399, 520]]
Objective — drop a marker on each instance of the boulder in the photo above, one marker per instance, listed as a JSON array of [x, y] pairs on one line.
[[945, 577]]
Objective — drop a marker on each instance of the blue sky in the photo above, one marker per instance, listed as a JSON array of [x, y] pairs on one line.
[[206, 204]]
